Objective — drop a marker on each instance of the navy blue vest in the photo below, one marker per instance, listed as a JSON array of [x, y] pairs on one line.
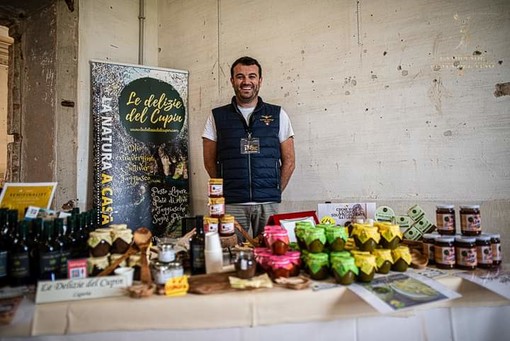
[[249, 177]]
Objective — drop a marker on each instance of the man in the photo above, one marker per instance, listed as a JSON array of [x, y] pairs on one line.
[[250, 144]]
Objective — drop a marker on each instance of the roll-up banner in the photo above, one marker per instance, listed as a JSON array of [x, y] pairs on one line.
[[140, 146]]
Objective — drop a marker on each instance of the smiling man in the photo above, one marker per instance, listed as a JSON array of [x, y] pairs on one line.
[[250, 144]]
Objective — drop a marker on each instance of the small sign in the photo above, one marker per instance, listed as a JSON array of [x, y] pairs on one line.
[[22, 195], [343, 212], [80, 289]]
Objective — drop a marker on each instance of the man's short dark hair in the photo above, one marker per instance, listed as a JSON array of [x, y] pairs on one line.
[[245, 61]]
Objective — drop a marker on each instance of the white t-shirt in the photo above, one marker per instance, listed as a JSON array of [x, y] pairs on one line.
[[285, 132]]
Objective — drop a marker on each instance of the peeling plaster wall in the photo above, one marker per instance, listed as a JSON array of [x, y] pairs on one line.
[[391, 101]]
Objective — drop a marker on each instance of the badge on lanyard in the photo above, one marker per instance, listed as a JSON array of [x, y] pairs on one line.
[[250, 145]]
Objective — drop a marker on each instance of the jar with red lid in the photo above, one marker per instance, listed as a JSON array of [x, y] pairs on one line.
[[279, 266], [470, 220], [268, 229], [445, 219], [484, 251], [444, 252], [465, 252], [262, 257], [497, 256]]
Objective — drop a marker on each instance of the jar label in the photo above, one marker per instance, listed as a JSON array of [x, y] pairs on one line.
[[484, 254], [466, 256], [210, 227], [216, 209], [496, 252], [470, 222], [445, 221], [444, 255], [227, 228], [215, 190]]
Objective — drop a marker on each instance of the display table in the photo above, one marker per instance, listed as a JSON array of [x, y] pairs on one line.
[[261, 313]]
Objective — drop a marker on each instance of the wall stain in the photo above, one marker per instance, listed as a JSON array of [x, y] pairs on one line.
[[436, 93], [502, 89]]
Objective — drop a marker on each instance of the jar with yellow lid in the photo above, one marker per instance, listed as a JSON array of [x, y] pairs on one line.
[[210, 224], [366, 237], [315, 240], [317, 266], [215, 188], [401, 258], [367, 266], [227, 227], [216, 207], [390, 235], [344, 268], [99, 243], [115, 256], [135, 262], [383, 259], [336, 237], [97, 264]]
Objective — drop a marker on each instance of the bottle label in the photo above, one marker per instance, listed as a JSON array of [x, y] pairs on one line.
[[470, 222], [3, 264], [64, 256], [49, 262], [198, 256], [445, 221], [466, 256], [444, 255], [484, 254], [20, 265]]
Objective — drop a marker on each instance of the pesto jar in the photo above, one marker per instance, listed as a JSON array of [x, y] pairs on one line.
[[300, 230], [384, 260], [366, 237], [344, 269], [390, 235], [318, 266], [401, 258], [336, 237], [315, 240], [367, 266]]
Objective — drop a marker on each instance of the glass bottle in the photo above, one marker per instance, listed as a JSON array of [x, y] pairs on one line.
[[3, 250], [19, 257], [197, 248], [49, 255], [36, 238], [64, 249], [71, 238]]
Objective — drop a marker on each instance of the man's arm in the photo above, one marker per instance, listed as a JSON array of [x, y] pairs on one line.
[[209, 152], [288, 161]]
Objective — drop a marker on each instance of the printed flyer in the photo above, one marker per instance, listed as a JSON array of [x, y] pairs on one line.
[[140, 146]]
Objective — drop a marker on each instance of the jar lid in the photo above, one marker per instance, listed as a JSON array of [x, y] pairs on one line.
[[445, 206], [483, 237], [470, 206], [431, 235], [465, 239], [494, 235], [445, 239]]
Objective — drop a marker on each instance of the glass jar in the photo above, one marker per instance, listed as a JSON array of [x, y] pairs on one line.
[[401, 258], [115, 256], [470, 220], [366, 237], [135, 262], [344, 269], [245, 264], [318, 266], [336, 237], [383, 259], [99, 243], [484, 251], [445, 219], [497, 257], [315, 240], [97, 264], [300, 230], [465, 252], [210, 224], [262, 256], [216, 207], [429, 239], [166, 253], [444, 252], [295, 260], [121, 239], [367, 266], [162, 272], [280, 266], [390, 235], [227, 227], [215, 188]]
